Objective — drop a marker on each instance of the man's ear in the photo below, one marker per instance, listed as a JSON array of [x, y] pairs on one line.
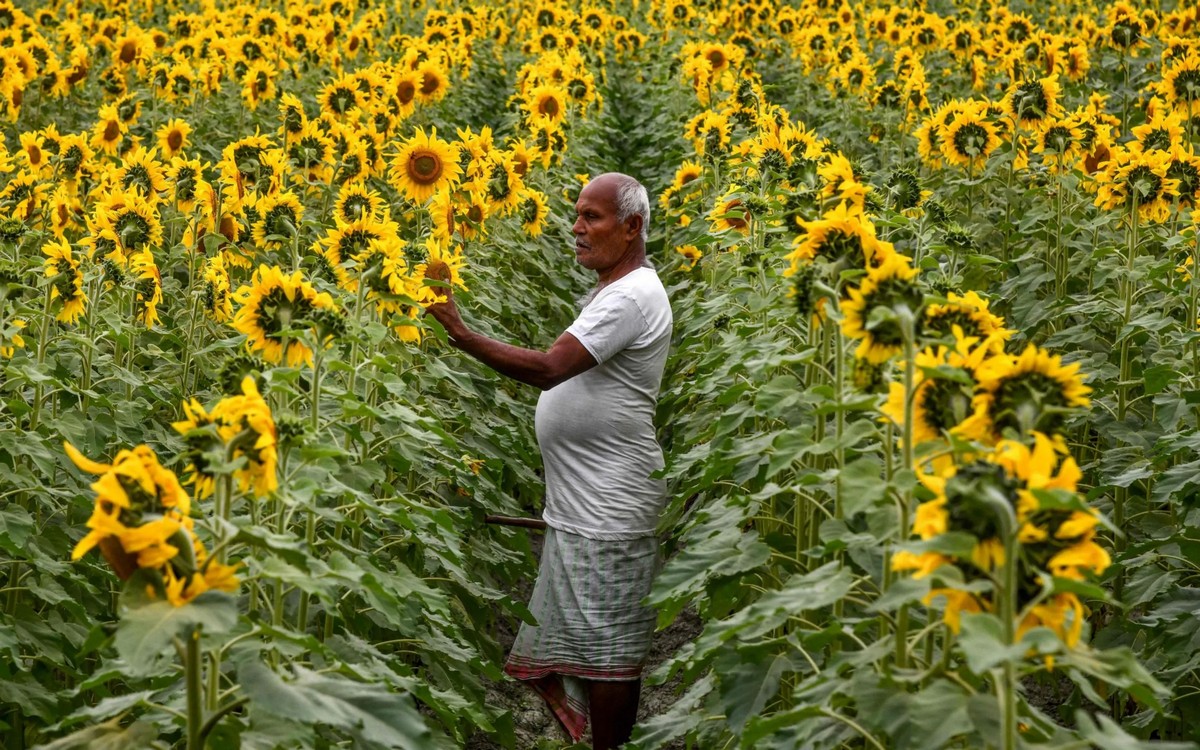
[[633, 226]]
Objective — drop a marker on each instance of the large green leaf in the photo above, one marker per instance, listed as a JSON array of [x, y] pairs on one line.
[[147, 631], [675, 722], [366, 711], [108, 736]]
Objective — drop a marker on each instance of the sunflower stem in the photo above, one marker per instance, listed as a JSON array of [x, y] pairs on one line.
[[195, 695], [41, 357], [1007, 685], [906, 447], [1123, 386], [310, 523]]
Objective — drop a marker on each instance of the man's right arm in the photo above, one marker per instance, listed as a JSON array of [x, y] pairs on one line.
[[565, 359]]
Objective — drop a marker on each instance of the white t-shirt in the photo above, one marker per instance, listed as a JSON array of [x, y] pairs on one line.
[[596, 430]]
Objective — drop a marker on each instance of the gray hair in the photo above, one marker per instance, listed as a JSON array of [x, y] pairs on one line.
[[632, 198]]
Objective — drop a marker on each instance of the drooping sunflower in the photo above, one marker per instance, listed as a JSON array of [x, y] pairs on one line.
[[1058, 141], [63, 268], [173, 137], [74, 155], [147, 289], [1163, 130], [424, 165], [709, 133], [503, 186], [340, 96], [939, 404], [279, 217], [142, 173], [893, 286], [129, 222], [312, 151], [140, 505], [1180, 85], [272, 303], [1031, 102], [1138, 178], [533, 211], [970, 314], [842, 237], [217, 293], [1032, 392]]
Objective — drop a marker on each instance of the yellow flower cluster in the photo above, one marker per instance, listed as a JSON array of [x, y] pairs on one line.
[[142, 520], [244, 428]]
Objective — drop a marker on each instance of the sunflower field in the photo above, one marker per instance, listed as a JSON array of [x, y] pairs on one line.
[[931, 415]]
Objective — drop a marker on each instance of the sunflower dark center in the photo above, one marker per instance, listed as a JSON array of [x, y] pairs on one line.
[[424, 167]]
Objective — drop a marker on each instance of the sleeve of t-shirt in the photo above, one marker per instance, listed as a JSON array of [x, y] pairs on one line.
[[608, 325]]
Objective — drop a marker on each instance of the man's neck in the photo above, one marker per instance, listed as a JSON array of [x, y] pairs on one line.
[[632, 262]]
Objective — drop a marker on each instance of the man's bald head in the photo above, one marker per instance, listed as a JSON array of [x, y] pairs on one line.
[[628, 196]]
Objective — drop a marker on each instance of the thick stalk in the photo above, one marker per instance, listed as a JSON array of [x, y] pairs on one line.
[[310, 524], [906, 449], [1123, 386], [1007, 685], [43, 334], [195, 694]]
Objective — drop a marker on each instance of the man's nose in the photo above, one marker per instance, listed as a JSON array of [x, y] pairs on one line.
[[577, 226]]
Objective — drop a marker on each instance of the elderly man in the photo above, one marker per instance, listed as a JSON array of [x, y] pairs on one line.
[[594, 421]]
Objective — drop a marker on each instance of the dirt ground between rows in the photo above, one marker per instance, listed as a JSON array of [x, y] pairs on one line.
[[533, 721]]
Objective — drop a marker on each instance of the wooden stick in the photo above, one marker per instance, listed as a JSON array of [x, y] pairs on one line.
[[528, 523]]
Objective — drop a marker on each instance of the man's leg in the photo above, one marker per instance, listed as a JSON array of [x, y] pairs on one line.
[[614, 708]]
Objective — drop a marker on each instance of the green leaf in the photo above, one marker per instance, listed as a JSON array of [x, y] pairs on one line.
[[681, 718], [748, 679], [862, 485], [146, 632], [108, 736], [982, 642], [1106, 733], [15, 527], [367, 712]]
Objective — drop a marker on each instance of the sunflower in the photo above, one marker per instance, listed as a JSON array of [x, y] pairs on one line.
[[970, 314], [33, 150], [129, 222], [258, 84], [356, 201], [312, 151], [63, 210], [1184, 168], [74, 155], [503, 186], [218, 301], [405, 87], [424, 164], [108, 131], [1031, 102], [940, 401], [547, 105], [142, 173], [1058, 141], [277, 219], [731, 212], [1180, 85], [969, 138], [274, 303], [843, 237], [1137, 178], [442, 263], [709, 133], [533, 211], [691, 256], [245, 421], [147, 289], [173, 137], [893, 286], [1032, 392], [840, 182], [23, 196], [340, 96], [62, 267], [1164, 130], [140, 505], [186, 177], [434, 84], [342, 243]]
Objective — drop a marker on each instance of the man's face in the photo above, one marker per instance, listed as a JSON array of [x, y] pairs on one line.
[[600, 240]]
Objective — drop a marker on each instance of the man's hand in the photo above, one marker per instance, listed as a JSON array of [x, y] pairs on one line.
[[446, 312]]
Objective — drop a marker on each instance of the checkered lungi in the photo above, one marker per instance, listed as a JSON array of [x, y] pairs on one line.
[[591, 623]]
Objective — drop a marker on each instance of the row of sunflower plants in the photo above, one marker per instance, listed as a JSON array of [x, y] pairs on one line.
[[216, 278], [944, 263]]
